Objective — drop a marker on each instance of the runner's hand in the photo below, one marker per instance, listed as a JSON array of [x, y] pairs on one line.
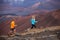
[[15, 25], [36, 21]]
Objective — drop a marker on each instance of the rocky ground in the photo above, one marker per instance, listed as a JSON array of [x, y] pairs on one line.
[[35, 34]]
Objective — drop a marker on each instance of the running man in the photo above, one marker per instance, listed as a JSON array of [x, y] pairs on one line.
[[12, 28], [33, 21]]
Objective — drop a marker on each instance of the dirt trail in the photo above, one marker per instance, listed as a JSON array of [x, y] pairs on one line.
[[36, 30]]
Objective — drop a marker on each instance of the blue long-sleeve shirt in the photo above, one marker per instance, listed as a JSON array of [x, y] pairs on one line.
[[33, 21]]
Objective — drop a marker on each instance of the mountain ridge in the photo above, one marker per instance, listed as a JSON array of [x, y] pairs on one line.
[[45, 20]]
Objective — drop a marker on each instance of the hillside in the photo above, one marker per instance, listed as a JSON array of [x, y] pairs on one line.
[[51, 33], [45, 20]]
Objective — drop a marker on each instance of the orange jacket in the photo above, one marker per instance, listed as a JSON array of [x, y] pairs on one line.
[[12, 24]]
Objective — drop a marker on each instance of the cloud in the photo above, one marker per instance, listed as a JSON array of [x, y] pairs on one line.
[[22, 0], [48, 0], [55, 4], [32, 5], [36, 5]]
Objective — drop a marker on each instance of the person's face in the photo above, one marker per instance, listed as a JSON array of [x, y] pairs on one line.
[[33, 17]]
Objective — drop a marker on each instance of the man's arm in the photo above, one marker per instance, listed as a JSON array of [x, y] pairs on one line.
[[15, 25]]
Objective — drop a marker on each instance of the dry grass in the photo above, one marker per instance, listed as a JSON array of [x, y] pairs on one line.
[[32, 31]]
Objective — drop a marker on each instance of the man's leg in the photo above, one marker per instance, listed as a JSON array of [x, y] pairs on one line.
[[10, 33], [14, 30]]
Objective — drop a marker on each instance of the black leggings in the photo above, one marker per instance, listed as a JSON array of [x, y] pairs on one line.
[[12, 29], [33, 26]]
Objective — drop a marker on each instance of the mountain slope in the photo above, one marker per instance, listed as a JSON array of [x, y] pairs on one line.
[[44, 20]]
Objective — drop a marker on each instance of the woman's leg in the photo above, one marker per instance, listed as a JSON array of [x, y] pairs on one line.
[[32, 26]]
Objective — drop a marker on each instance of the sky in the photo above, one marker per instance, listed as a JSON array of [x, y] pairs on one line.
[[27, 6]]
